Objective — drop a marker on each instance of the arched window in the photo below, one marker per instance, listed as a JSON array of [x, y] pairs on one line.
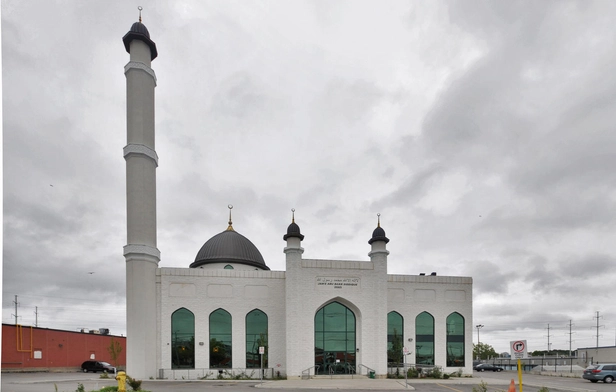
[[395, 338], [182, 339], [455, 340], [256, 336], [220, 339], [424, 339], [334, 339], [228, 266]]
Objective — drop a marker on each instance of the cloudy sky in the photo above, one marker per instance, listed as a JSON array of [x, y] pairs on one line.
[[483, 133]]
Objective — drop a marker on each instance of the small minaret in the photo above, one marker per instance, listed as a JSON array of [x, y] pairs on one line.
[[294, 239], [141, 254], [378, 333], [379, 251], [294, 300]]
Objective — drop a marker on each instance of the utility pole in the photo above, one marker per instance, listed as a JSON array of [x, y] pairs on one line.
[[549, 339], [570, 336], [36, 316], [16, 304], [598, 326]]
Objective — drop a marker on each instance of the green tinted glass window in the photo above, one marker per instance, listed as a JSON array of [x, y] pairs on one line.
[[220, 339], [182, 339], [334, 337], [455, 340], [395, 337], [424, 339], [256, 336]]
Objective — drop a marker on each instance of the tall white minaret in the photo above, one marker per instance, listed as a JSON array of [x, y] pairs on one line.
[[142, 255]]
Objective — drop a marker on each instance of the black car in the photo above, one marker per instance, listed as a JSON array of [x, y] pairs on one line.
[[97, 366], [482, 367]]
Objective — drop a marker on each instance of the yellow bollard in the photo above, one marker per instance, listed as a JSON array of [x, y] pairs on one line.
[[121, 377]]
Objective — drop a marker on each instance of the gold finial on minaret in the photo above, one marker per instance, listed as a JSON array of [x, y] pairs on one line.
[[230, 228], [293, 217], [379, 219], [140, 8]]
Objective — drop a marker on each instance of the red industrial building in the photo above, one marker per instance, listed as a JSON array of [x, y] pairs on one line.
[[26, 348]]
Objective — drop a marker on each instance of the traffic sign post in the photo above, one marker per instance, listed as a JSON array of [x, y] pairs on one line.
[[405, 351], [519, 351], [261, 352]]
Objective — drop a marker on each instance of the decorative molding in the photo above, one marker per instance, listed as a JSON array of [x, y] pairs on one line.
[[142, 249], [141, 66], [378, 252], [141, 150]]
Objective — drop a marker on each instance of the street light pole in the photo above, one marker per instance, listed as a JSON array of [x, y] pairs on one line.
[[478, 326]]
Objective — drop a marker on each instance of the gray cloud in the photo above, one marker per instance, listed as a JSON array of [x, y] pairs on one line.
[[483, 135]]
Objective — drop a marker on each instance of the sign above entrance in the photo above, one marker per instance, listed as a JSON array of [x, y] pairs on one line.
[[336, 283]]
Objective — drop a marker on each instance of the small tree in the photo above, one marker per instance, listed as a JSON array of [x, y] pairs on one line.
[[483, 351], [114, 349], [394, 355]]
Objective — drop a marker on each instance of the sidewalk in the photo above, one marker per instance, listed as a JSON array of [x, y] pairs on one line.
[[371, 384]]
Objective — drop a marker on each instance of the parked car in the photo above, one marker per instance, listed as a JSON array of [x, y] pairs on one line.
[[97, 366], [605, 372], [482, 367]]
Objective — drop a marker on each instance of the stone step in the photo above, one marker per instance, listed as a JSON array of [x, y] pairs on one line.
[[338, 376]]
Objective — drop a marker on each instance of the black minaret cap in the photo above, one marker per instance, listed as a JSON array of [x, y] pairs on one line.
[[378, 234], [293, 230], [140, 32]]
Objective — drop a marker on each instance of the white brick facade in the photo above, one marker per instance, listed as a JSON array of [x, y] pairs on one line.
[[291, 299]]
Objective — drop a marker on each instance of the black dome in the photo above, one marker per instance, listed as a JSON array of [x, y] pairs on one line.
[[140, 32], [229, 247], [293, 231], [378, 235]]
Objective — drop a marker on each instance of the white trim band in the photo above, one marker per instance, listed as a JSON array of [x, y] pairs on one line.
[[141, 150], [141, 66], [142, 249]]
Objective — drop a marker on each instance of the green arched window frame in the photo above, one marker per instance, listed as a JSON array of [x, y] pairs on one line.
[[256, 336], [221, 343], [424, 339], [455, 340], [395, 338], [182, 339]]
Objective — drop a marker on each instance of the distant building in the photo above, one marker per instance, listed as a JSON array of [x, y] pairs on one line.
[[26, 348], [229, 312], [590, 355]]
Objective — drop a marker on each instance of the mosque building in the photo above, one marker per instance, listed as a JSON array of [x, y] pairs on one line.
[[228, 313]]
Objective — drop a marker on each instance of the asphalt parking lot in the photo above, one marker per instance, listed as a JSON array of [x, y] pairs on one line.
[[496, 382]]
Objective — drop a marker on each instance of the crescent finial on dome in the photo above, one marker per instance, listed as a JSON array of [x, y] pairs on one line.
[[230, 228]]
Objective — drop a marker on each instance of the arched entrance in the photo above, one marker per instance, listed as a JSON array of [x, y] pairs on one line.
[[334, 339]]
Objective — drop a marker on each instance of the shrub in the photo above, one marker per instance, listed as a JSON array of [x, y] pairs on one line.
[[412, 373], [543, 389], [435, 372], [134, 384], [80, 388], [482, 387]]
